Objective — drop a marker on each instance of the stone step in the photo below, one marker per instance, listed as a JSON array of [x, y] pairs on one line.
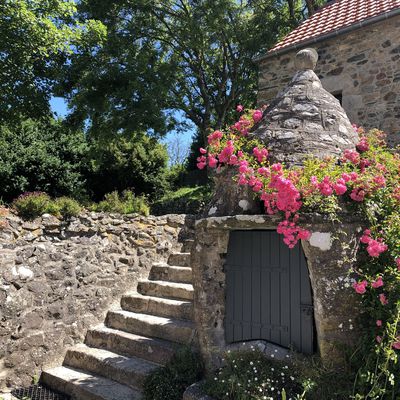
[[179, 259], [130, 371], [170, 290], [175, 330], [165, 272], [187, 245], [129, 344], [157, 306], [84, 386]]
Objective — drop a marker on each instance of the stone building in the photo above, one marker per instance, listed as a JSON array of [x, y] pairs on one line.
[[358, 42], [248, 286]]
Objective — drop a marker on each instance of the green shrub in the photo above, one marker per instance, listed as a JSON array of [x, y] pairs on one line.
[[187, 200], [127, 203], [250, 375], [32, 205], [170, 382], [42, 156], [66, 207]]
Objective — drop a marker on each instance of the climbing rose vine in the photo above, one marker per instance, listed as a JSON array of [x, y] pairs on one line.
[[364, 181]]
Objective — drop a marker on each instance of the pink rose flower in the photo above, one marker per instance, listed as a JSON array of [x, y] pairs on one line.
[[396, 345], [398, 263], [357, 194], [203, 151], [375, 248], [201, 162], [340, 187], [363, 145], [352, 156], [257, 116], [325, 187], [261, 154], [212, 161], [378, 283], [346, 177], [366, 237], [383, 299], [239, 108], [360, 287], [380, 181], [378, 322]]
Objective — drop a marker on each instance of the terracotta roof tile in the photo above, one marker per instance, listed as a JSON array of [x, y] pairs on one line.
[[334, 16]]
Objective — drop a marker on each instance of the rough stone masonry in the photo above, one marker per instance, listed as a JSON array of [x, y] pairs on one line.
[[59, 278], [303, 120], [362, 66]]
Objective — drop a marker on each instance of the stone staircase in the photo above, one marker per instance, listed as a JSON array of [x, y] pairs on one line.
[[134, 340]]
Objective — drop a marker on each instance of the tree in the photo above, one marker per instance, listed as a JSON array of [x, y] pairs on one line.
[[163, 55], [41, 156], [195, 56], [137, 162], [301, 9], [121, 87], [36, 38]]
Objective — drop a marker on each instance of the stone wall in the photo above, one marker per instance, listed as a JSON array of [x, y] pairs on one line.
[[330, 253], [57, 279], [362, 65]]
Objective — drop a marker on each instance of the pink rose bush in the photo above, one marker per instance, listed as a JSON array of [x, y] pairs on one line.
[[364, 181]]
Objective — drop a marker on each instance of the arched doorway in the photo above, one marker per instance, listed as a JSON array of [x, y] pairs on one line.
[[268, 291]]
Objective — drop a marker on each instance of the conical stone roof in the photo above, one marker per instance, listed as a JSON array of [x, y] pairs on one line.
[[305, 119]]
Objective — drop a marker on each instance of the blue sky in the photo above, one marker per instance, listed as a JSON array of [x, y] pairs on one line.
[[59, 107]]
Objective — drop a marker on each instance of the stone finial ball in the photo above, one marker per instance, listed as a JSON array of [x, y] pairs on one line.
[[306, 59]]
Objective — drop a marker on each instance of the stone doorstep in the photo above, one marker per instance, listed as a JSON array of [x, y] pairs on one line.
[[84, 386], [129, 344], [270, 350], [174, 330], [130, 371], [157, 306], [172, 290]]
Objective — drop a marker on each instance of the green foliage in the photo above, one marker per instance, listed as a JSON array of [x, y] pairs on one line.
[[186, 200], [66, 207], [122, 87], [36, 37], [32, 205], [136, 162], [127, 203], [170, 382], [38, 156], [322, 381], [163, 55], [250, 375], [49, 157]]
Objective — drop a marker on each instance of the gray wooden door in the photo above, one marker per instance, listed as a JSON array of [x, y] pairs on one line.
[[268, 291]]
